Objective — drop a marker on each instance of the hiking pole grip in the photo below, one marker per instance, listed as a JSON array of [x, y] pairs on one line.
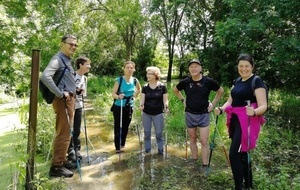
[[248, 103]]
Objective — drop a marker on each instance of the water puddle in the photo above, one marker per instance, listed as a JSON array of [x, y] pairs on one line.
[[102, 168]]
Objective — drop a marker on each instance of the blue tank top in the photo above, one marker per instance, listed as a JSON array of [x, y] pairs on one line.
[[128, 89]]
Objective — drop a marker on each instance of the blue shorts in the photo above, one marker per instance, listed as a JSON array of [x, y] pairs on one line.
[[196, 120]]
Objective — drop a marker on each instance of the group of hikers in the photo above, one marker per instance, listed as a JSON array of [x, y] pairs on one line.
[[244, 108]]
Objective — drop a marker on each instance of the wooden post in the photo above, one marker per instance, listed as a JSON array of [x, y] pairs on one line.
[[31, 142]]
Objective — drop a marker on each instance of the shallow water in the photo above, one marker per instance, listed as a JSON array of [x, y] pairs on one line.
[[102, 168]]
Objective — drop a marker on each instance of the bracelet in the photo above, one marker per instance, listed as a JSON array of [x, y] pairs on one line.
[[221, 111], [182, 100]]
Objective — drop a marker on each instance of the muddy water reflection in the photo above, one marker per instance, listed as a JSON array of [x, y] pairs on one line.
[[136, 170]]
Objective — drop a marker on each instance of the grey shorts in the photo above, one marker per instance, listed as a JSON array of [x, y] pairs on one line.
[[196, 120]]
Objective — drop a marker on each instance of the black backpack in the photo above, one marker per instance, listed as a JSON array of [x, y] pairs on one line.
[[47, 95]]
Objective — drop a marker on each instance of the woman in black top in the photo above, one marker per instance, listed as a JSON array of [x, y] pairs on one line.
[[154, 101], [197, 106], [244, 121]]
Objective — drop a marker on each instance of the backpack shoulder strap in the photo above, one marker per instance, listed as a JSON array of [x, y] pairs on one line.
[[253, 83], [237, 80], [121, 79], [62, 74]]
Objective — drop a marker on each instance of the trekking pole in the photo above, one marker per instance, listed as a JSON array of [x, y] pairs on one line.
[[186, 144], [89, 140], [186, 134], [248, 152], [71, 131], [166, 139], [85, 131], [223, 147], [138, 132], [121, 121], [212, 146]]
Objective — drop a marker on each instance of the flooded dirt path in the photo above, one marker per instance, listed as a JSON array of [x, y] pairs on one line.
[[103, 170]]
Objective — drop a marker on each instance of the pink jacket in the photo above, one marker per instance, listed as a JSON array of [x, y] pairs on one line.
[[255, 124]]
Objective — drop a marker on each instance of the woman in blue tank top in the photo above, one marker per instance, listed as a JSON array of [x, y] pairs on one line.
[[125, 89]]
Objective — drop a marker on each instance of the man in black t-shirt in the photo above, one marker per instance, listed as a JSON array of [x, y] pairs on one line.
[[197, 106]]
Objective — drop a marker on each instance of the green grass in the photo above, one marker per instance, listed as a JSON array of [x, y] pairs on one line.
[[10, 159], [275, 159]]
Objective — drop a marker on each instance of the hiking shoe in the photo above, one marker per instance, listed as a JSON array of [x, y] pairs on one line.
[[247, 187], [60, 171], [70, 165], [161, 152], [72, 156], [119, 151], [79, 156]]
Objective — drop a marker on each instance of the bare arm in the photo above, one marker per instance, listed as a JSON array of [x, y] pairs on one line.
[[178, 94], [114, 93], [142, 101], [217, 98], [166, 102], [221, 109], [262, 105]]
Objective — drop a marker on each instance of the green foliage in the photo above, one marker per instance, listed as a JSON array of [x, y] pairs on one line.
[[8, 160], [43, 183], [111, 32], [269, 32], [145, 57], [167, 17], [100, 85], [283, 107], [215, 31], [276, 159], [45, 130], [13, 159]]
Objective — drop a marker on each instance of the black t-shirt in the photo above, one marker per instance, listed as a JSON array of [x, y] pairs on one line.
[[242, 91], [197, 93], [153, 104]]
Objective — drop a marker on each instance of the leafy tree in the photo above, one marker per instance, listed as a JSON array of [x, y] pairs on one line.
[[145, 56], [127, 19], [270, 32], [120, 24], [14, 36], [167, 16]]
